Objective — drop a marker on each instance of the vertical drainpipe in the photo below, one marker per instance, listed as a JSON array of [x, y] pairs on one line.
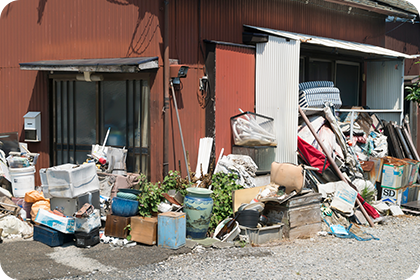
[[166, 91]]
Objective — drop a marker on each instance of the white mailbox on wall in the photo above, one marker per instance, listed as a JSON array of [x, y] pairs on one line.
[[32, 126]]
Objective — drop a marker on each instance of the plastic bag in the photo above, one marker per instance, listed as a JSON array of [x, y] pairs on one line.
[[13, 226], [42, 204], [34, 196]]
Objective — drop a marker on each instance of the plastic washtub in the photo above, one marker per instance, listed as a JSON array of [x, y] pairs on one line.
[[124, 207], [231, 235], [264, 234]]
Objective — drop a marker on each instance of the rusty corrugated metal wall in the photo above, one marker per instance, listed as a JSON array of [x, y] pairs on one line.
[[405, 38], [235, 88], [222, 20], [50, 30]]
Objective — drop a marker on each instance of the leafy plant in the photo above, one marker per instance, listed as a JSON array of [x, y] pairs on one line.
[[151, 194], [368, 194], [223, 186], [173, 181], [149, 198], [414, 93], [129, 228]]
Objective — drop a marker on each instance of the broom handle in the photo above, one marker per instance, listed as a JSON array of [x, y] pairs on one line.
[[334, 165]]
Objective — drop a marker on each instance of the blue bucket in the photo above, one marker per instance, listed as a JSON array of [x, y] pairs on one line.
[[124, 207]]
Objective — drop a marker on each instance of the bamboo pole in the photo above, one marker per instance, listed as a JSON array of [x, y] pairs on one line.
[[334, 165]]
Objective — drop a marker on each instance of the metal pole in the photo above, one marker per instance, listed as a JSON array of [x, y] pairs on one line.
[[334, 165], [180, 131], [166, 91]]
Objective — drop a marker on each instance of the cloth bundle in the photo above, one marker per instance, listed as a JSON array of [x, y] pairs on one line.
[[315, 94]]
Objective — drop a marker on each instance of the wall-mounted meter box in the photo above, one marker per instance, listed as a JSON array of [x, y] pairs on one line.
[[32, 126]]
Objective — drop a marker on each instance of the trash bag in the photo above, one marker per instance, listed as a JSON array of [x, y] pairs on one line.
[[42, 204], [34, 196], [12, 226]]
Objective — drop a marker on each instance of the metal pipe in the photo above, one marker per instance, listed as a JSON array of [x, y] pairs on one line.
[[334, 165], [180, 132], [166, 91]]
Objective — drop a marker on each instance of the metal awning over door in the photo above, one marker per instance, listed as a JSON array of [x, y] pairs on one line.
[[115, 65]]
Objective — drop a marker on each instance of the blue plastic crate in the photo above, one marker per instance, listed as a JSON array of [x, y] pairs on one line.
[[51, 237]]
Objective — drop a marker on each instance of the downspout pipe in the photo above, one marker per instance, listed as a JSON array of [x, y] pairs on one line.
[[166, 79]]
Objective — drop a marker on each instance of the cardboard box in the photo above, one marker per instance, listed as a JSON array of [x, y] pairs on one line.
[[392, 195], [376, 173], [62, 224], [392, 172], [414, 170], [144, 230]]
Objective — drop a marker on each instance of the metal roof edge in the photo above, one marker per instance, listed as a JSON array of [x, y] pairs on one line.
[[228, 44], [333, 43]]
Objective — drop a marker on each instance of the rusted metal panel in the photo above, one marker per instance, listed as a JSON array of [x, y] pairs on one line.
[[235, 88], [192, 118], [223, 20], [399, 37]]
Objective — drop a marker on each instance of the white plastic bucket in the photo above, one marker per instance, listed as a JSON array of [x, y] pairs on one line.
[[23, 180]]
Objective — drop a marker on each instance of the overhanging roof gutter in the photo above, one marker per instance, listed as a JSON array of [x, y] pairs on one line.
[[365, 50], [119, 65]]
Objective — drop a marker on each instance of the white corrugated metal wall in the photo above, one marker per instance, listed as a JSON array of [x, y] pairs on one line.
[[385, 88], [276, 82]]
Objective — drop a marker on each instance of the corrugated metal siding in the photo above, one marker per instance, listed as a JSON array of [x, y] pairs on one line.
[[277, 79], [317, 17], [192, 118], [235, 88], [384, 87], [399, 37], [49, 30]]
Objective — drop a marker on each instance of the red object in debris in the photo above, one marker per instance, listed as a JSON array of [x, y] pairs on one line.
[[369, 209], [102, 160], [312, 156], [170, 199]]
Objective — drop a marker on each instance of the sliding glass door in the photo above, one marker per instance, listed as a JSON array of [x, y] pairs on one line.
[[84, 111]]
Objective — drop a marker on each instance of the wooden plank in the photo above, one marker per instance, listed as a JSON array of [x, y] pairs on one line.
[[305, 215], [304, 199], [244, 196], [305, 231]]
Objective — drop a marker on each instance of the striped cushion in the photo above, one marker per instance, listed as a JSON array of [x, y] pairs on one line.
[[315, 84], [316, 97]]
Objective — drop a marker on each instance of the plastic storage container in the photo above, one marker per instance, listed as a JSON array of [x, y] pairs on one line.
[[84, 239], [23, 180], [69, 180], [250, 129], [50, 236], [263, 235], [263, 156], [124, 207], [172, 230]]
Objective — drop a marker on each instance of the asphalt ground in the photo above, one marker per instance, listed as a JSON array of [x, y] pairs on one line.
[[35, 260]]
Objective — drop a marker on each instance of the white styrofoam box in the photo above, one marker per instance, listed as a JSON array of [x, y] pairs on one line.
[[264, 234], [62, 224], [392, 195], [69, 180], [89, 223], [392, 175]]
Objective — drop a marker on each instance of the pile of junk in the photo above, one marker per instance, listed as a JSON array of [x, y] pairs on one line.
[[353, 170]]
